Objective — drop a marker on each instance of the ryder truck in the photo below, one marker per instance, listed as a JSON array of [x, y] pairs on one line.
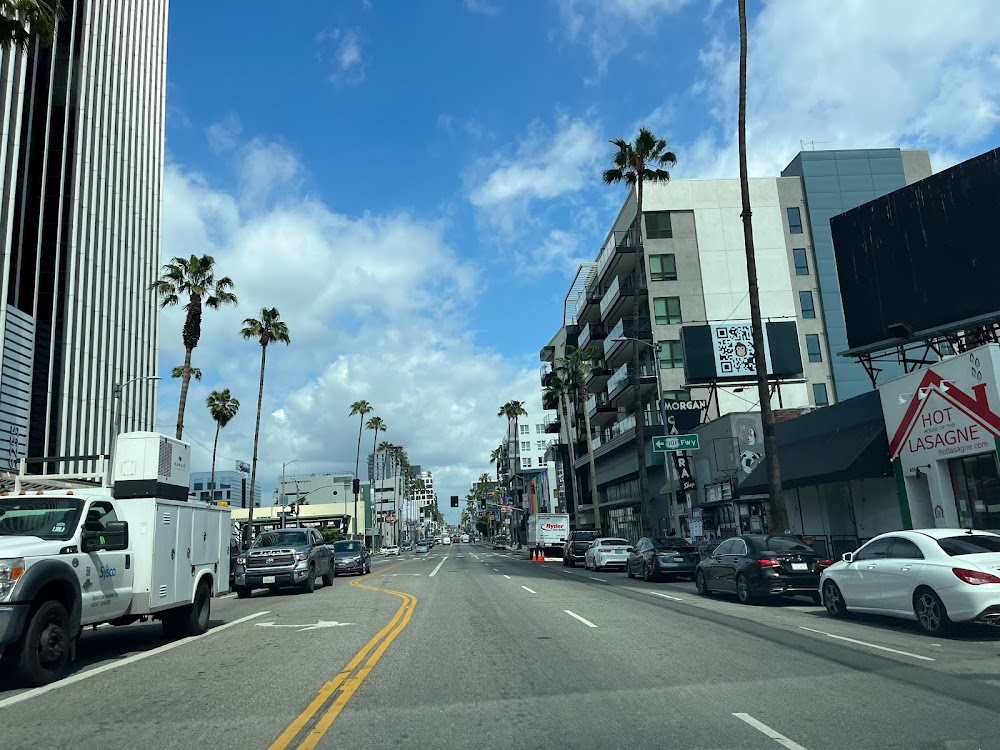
[[75, 552], [548, 531]]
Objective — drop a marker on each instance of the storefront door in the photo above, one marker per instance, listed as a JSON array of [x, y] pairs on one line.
[[976, 482]]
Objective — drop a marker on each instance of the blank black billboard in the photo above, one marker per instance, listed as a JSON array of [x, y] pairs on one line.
[[925, 256]]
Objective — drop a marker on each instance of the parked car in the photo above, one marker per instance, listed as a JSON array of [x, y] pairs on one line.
[[754, 566], [446, 540], [286, 557], [499, 543], [390, 549], [575, 548], [656, 557], [605, 552], [422, 548], [351, 556], [934, 576]]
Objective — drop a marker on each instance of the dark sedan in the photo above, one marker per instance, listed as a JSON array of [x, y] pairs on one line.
[[662, 557], [351, 556], [756, 566]]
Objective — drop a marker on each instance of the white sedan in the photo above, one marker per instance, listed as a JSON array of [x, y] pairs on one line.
[[933, 576], [605, 552], [390, 549]]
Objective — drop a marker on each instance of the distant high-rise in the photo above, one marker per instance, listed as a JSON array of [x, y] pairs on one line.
[[81, 175]]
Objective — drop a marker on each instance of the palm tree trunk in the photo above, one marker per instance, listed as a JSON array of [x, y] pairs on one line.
[[374, 444], [215, 448], [185, 382], [357, 463], [256, 439], [592, 465], [640, 416], [777, 514], [564, 405]]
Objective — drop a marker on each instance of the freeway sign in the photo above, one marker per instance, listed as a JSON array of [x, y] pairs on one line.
[[668, 443]]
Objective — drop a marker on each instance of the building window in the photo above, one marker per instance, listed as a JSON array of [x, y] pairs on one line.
[[820, 397], [801, 261], [812, 347], [658, 225], [671, 355], [526, 461], [806, 303], [199, 485], [667, 310], [663, 267], [539, 429], [540, 445], [525, 429], [794, 220], [526, 445], [229, 494], [677, 395]]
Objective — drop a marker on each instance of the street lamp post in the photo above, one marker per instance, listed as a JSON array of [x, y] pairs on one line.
[[283, 494], [116, 396]]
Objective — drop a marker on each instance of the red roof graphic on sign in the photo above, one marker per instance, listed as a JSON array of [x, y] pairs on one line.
[[974, 406]]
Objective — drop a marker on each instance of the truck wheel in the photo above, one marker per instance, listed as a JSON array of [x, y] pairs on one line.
[[43, 654], [328, 578], [242, 592], [309, 585]]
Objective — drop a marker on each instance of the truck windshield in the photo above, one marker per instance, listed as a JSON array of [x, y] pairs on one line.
[[282, 539], [53, 518]]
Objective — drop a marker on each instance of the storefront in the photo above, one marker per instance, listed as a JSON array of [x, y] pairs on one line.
[[943, 427]]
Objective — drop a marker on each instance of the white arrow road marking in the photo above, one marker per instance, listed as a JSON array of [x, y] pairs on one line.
[[301, 628]]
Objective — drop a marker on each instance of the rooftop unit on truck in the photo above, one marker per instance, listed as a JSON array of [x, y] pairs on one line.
[[548, 531], [75, 551]]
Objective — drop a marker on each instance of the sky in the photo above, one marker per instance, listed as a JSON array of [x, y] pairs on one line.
[[413, 185]]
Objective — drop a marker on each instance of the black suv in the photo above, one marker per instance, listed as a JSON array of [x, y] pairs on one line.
[[575, 548], [285, 557]]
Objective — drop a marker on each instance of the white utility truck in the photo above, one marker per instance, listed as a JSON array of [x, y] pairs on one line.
[[75, 551], [548, 531]]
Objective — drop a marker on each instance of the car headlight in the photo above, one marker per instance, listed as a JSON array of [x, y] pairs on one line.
[[241, 561], [301, 556], [11, 568]]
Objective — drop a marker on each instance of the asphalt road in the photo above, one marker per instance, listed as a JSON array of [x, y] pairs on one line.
[[467, 648]]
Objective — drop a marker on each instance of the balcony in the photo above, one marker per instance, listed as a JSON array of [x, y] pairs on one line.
[[596, 375], [546, 376], [621, 383], [621, 292], [621, 434], [547, 353], [600, 409], [591, 332], [550, 400], [551, 423], [615, 350], [617, 257]]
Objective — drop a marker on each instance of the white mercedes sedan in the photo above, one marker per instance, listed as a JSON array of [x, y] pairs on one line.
[[934, 576], [605, 552]]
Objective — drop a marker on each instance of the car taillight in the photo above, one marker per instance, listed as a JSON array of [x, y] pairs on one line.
[[769, 563], [824, 563], [975, 577], [606, 550]]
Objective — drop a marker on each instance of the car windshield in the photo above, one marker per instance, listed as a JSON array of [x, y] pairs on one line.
[[281, 539], [347, 546], [969, 544], [53, 518], [785, 544], [672, 542]]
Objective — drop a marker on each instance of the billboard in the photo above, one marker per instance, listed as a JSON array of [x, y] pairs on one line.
[[723, 352], [922, 256]]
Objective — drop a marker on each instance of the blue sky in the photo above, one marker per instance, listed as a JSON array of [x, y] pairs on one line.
[[413, 184]]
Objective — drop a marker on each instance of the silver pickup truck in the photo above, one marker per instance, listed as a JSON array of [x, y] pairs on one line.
[[283, 558]]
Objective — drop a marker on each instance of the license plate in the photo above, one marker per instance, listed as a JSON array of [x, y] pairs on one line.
[[800, 566], [268, 579]]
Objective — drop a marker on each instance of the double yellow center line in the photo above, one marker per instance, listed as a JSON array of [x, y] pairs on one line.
[[309, 727]]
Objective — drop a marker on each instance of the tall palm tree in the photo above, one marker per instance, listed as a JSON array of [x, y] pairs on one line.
[[193, 278], [634, 164], [559, 387], [223, 407], [377, 425], [496, 456], [386, 449], [361, 408], [24, 20], [268, 328], [777, 513], [577, 364], [178, 372], [514, 410]]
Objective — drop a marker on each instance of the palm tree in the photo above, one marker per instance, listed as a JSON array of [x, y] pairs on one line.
[[634, 164], [266, 329], [24, 20], [514, 410], [377, 425], [223, 407], [193, 278], [777, 513], [358, 407], [559, 387], [178, 372], [577, 364]]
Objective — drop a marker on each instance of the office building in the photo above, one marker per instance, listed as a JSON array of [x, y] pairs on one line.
[[82, 173], [334, 492], [231, 487]]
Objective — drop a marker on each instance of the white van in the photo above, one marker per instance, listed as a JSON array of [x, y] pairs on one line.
[[446, 540]]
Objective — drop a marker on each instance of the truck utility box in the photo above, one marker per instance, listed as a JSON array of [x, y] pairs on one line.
[[548, 531]]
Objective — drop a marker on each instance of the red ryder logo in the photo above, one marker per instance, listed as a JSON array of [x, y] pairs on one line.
[[553, 526]]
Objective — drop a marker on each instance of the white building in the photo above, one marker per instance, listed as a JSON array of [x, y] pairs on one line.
[[333, 491], [532, 440]]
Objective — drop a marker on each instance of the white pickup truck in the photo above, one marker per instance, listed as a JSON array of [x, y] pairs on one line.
[[73, 555]]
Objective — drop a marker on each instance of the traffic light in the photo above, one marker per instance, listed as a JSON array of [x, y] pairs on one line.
[[454, 501]]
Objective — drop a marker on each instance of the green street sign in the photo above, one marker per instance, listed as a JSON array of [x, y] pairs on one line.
[[669, 443]]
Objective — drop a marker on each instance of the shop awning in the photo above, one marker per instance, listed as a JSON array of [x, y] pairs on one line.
[[829, 447]]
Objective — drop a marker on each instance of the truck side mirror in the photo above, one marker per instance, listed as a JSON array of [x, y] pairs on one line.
[[113, 538]]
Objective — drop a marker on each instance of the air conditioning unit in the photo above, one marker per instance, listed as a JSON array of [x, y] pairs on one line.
[[148, 464]]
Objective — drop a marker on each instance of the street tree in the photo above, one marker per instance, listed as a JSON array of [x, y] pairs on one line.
[[178, 372], [22, 21], [559, 387], [192, 279], [360, 408], [223, 407], [267, 329], [635, 163], [575, 366], [776, 511]]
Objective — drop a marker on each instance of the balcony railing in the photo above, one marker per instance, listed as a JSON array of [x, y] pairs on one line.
[[590, 332], [623, 329], [618, 242], [624, 374], [597, 399]]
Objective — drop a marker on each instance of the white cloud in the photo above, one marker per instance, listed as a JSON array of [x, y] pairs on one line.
[[342, 49], [264, 167], [483, 7], [224, 135], [376, 307], [891, 73]]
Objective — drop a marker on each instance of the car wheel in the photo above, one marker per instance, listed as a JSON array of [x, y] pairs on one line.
[[242, 592], [191, 619], [328, 578], [833, 600], [309, 585], [628, 570], [565, 562], [572, 563], [743, 592], [931, 612], [647, 573], [701, 584], [43, 656]]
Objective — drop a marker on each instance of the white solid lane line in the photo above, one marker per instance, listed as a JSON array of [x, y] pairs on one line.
[[79, 676], [869, 645], [530, 591], [506, 576], [588, 623], [597, 579], [434, 572], [766, 730], [665, 596]]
